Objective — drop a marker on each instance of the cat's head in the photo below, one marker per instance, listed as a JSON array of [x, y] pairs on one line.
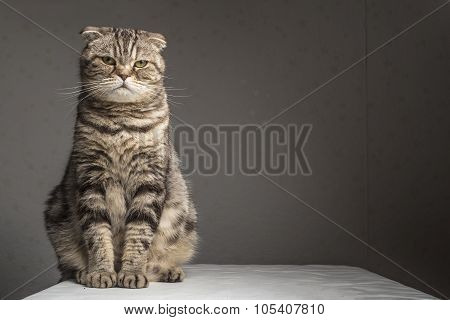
[[122, 65]]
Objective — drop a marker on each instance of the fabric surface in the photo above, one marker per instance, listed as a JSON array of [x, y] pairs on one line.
[[253, 282]]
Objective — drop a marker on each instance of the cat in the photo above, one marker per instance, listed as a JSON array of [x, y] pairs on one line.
[[122, 214]]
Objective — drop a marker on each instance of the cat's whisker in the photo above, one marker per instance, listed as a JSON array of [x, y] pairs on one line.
[[86, 88], [139, 83], [75, 96], [173, 96], [84, 83], [173, 102], [87, 85], [68, 88], [87, 96], [79, 91], [175, 89]]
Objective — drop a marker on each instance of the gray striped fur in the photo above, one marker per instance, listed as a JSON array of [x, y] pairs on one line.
[[122, 214]]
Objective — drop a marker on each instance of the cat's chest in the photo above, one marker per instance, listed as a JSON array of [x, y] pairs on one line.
[[128, 150], [121, 148]]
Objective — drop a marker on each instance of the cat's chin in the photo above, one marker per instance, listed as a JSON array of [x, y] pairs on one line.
[[121, 95]]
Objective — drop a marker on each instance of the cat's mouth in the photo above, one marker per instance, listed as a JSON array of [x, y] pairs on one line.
[[122, 87], [123, 91]]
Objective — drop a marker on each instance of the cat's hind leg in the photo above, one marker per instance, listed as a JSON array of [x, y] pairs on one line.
[[171, 274], [166, 259], [69, 247]]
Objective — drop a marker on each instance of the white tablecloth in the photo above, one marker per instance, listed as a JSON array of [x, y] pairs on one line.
[[253, 282]]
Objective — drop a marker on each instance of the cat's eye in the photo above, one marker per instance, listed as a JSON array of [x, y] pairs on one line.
[[109, 61], [140, 63]]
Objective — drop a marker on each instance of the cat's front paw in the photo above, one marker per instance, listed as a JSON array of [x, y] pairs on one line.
[[101, 279], [132, 280]]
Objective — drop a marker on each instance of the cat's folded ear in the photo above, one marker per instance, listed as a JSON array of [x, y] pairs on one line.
[[91, 33], [158, 41]]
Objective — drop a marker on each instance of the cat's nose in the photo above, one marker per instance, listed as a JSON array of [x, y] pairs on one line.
[[123, 76]]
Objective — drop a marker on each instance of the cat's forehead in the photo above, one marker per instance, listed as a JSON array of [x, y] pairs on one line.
[[125, 39], [125, 43], [125, 34]]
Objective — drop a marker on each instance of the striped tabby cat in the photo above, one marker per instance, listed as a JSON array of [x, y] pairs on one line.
[[122, 213]]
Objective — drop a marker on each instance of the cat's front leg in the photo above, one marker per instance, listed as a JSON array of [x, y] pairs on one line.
[[96, 226], [141, 223]]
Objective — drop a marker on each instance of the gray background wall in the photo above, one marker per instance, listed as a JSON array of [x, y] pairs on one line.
[[377, 150]]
